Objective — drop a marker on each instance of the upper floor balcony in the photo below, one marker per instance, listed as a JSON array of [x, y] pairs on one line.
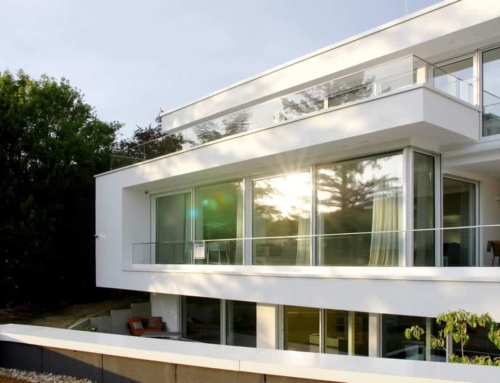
[[388, 84]]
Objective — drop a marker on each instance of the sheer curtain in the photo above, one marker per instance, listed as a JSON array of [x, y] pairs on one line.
[[384, 248], [303, 242]]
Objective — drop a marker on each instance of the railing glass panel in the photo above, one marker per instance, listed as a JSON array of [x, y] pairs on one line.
[[372, 82], [458, 247]]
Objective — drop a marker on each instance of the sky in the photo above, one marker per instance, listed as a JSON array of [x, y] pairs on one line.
[[131, 58]]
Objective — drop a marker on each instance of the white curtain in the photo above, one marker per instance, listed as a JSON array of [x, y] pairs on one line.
[[384, 248], [238, 258], [303, 242]]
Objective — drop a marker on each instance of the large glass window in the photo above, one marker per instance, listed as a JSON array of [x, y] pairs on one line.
[[219, 219], [361, 331], [478, 344], [336, 330], [394, 343], [456, 79], [241, 323], [281, 209], [173, 229], [459, 210], [302, 331], [202, 319], [360, 196], [423, 209], [396, 346], [301, 328], [491, 92]]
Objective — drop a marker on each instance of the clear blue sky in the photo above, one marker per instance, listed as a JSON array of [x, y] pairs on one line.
[[132, 57]]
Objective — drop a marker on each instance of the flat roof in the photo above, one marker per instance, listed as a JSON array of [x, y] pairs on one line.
[[349, 40]]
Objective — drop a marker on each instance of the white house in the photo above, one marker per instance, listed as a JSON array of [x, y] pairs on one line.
[[327, 204]]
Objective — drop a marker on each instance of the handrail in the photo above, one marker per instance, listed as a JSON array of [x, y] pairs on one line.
[[401, 231]]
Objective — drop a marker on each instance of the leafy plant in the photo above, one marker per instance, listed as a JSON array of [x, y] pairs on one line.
[[456, 325]]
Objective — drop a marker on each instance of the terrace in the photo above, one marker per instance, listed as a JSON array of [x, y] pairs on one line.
[[383, 80]]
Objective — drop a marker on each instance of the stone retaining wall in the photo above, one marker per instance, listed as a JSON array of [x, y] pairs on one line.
[[114, 369]]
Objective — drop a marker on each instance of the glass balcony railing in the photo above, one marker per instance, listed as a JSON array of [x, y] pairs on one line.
[[369, 83], [459, 246]]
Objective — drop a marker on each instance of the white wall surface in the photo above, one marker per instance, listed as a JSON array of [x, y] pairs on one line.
[[168, 307], [389, 122], [450, 26], [267, 326], [334, 368], [419, 291]]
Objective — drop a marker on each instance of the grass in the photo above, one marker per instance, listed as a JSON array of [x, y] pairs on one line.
[[64, 317]]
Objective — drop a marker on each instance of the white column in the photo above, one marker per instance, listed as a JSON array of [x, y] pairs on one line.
[[350, 333], [267, 326], [167, 306], [428, 329], [374, 335]]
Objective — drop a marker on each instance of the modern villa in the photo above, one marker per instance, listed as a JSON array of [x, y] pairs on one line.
[[325, 205]]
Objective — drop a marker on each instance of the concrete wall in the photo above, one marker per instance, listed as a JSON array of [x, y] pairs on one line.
[[101, 368], [116, 358]]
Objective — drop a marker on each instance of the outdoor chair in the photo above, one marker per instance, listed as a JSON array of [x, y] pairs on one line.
[[138, 326]]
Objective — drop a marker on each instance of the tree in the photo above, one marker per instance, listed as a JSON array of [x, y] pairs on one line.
[[235, 123], [52, 144], [457, 325], [146, 143]]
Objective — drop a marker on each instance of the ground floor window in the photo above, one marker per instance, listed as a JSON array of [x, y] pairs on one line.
[[202, 321], [396, 346], [330, 331], [241, 323]]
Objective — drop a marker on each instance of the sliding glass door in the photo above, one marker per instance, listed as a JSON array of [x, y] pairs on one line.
[[360, 212], [459, 211], [491, 92], [281, 214], [219, 223], [424, 199], [173, 229]]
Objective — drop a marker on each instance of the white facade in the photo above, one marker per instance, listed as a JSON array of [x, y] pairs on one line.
[[389, 115]]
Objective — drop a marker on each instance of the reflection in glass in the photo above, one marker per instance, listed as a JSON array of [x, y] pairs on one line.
[[459, 209], [301, 328], [491, 92], [218, 219], [361, 332], [423, 212], [478, 344], [456, 79], [241, 323], [173, 229], [281, 208], [201, 319], [371, 82], [360, 196], [394, 343], [336, 331]]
